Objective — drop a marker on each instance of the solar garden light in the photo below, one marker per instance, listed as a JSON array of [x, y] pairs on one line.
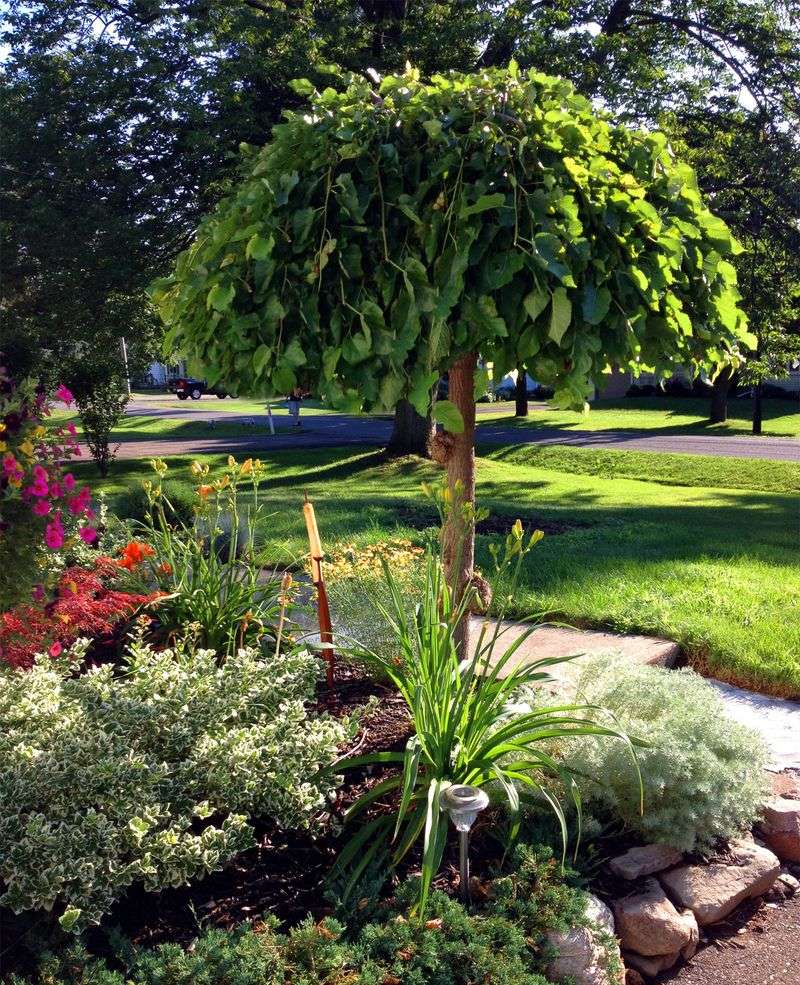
[[463, 803]]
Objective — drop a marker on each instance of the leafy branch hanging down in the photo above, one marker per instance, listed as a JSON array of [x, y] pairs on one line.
[[374, 242]]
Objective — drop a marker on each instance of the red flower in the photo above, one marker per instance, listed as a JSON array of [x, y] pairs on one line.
[[134, 553]]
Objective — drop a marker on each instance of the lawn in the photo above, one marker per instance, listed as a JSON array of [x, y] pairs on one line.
[[701, 551], [668, 415]]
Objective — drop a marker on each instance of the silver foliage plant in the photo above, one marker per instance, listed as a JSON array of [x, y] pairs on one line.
[[151, 772], [703, 773]]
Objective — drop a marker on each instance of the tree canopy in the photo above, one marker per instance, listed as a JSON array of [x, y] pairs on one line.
[[383, 234]]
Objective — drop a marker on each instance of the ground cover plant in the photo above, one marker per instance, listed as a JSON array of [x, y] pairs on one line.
[[612, 563], [505, 940], [703, 773], [152, 771]]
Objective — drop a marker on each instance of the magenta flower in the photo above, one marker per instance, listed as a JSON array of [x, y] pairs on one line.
[[38, 593], [64, 395], [71, 428], [55, 490], [69, 481], [56, 649], [54, 533], [88, 535], [41, 507]]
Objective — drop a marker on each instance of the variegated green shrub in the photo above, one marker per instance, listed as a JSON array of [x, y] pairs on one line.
[[151, 775]]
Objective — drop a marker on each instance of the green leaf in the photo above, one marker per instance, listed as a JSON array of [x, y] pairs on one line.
[[484, 203], [432, 127], [293, 354], [596, 302], [261, 358], [69, 918], [449, 416], [259, 247], [220, 297], [560, 315], [535, 302], [303, 87]]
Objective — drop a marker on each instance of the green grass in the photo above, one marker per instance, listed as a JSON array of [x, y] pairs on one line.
[[670, 545], [666, 415]]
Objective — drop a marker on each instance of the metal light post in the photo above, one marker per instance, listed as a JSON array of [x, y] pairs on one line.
[[463, 803]]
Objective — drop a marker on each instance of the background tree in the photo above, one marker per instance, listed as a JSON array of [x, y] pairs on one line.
[[750, 168], [124, 117], [384, 238]]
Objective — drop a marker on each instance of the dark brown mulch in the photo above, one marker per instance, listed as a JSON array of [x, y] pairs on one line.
[[757, 945], [420, 519]]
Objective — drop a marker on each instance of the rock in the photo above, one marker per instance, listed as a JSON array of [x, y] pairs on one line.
[[649, 924], [582, 955], [791, 885], [650, 966], [644, 861], [780, 827], [713, 891], [786, 784], [632, 977]]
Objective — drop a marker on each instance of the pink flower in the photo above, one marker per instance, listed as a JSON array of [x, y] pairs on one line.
[[55, 490], [41, 507], [64, 395], [56, 649], [54, 533], [71, 428], [88, 535], [38, 593], [40, 473], [9, 464], [38, 489], [80, 503], [69, 481]]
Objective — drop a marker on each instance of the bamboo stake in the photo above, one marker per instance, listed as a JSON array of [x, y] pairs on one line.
[[315, 552]]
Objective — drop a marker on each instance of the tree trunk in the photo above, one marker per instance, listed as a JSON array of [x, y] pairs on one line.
[[719, 396], [411, 432], [758, 408], [458, 536], [521, 394]]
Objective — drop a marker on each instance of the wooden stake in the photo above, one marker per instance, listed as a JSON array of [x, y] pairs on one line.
[[315, 551]]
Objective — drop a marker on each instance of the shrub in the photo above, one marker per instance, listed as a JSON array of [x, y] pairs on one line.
[[151, 775], [85, 603], [703, 773], [101, 393], [501, 944]]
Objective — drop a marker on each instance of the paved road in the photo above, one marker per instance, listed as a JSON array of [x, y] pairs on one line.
[[332, 430]]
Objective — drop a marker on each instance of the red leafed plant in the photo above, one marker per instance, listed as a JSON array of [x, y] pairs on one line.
[[85, 604]]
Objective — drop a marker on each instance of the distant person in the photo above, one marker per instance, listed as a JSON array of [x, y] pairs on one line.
[[294, 405]]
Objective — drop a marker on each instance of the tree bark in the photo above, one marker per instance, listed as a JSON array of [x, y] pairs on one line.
[[719, 396], [411, 432], [521, 394], [758, 407], [458, 536]]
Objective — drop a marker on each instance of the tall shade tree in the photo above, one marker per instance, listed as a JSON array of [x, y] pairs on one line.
[[385, 237]]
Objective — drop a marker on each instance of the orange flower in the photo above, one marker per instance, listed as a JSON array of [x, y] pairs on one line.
[[165, 568], [134, 553], [204, 491]]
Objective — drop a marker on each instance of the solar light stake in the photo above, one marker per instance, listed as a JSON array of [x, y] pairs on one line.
[[463, 803]]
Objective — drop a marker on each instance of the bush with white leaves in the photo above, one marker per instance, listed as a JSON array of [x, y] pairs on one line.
[[150, 772]]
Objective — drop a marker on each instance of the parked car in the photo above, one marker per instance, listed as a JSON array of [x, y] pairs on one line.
[[187, 386]]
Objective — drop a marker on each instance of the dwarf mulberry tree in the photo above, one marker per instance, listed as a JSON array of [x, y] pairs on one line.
[[388, 235]]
